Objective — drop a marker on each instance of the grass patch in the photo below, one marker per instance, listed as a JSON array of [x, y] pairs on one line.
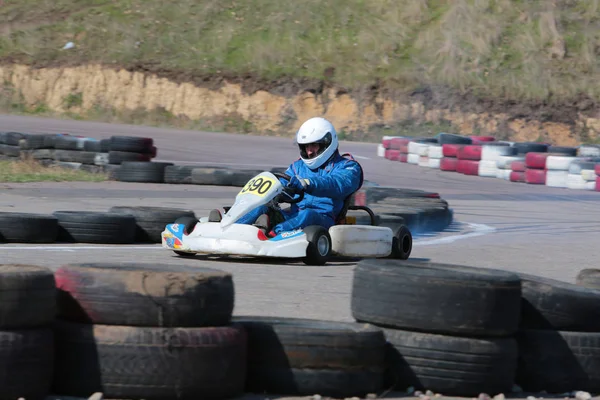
[[30, 170], [510, 49]]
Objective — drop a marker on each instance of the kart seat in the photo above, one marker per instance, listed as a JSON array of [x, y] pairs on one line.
[[341, 218]]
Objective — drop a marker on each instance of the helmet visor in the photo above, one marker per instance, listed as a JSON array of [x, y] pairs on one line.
[[322, 144]]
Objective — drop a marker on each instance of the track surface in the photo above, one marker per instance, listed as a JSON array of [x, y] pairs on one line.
[[517, 227]]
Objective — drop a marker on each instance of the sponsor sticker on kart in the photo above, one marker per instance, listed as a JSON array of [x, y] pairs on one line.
[[258, 186], [290, 233]]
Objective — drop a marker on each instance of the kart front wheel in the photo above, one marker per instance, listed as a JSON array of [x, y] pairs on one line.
[[401, 243], [318, 250]]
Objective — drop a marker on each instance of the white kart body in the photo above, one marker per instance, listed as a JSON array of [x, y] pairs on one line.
[[231, 238]]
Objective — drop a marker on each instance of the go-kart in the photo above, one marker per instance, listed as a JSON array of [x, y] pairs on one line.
[[315, 245]]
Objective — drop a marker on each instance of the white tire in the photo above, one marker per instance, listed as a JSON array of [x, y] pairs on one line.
[[559, 163], [380, 150], [503, 174], [435, 151], [412, 159], [419, 149], [556, 178], [576, 181], [503, 162], [434, 163], [589, 151], [487, 168], [589, 175], [492, 152], [423, 161]]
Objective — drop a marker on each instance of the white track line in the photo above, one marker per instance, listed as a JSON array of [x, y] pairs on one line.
[[478, 230]]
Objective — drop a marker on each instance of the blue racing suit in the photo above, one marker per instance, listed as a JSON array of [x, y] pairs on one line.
[[328, 187]]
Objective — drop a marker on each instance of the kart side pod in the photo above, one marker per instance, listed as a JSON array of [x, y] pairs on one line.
[[361, 240]]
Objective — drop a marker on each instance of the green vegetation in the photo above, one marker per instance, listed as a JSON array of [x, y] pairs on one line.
[[28, 170], [509, 49]]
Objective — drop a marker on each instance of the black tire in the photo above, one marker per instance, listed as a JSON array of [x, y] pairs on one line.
[[401, 243], [50, 141], [126, 362], [212, 176], [119, 157], [239, 177], [26, 363], [104, 145], [33, 142], [10, 150], [13, 138], [558, 362], [151, 221], [95, 227], [318, 250], [563, 150], [137, 171], [160, 295], [43, 154], [92, 146], [290, 356], [382, 194], [452, 365], [451, 138], [28, 228], [2, 137], [557, 305], [429, 293], [131, 144], [529, 147], [66, 143], [83, 157], [178, 174], [27, 296], [589, 278], [412, 216]]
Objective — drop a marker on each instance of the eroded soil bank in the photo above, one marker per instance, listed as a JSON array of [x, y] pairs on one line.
[[280, 107]]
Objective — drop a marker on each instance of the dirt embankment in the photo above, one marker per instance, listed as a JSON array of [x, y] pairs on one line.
[[283, 105]]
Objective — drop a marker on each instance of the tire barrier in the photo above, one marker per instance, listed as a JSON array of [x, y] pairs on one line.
[[156, 331], [78, 152], [542, 339], [526, 162]]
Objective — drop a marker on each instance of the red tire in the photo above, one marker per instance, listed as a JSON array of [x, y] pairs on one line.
[[392, 155], [483, 138], [468, 167], [385, 143], [517, 166], [451, 150], [535, 176], [597, 181], [536, 160], [470, 152], [597, 169], [517, 176], [395, 143], [403, 157], [403, 148], [448, 163]]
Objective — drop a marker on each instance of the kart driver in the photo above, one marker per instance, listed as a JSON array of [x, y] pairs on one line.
[[325, 176]]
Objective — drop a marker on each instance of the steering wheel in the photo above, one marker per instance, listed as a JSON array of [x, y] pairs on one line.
[[288, 197]]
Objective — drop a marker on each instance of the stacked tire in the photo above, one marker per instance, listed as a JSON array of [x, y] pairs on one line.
[[517, 171], [559, 336], [433, 344], [451, 145], [535, 168], [597, 169], [582, 174], [418, 151], [469, 157], [557, 167], [27, 312], [146, 331]]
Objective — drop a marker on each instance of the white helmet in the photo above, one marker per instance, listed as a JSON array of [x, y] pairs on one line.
[[317, 130]]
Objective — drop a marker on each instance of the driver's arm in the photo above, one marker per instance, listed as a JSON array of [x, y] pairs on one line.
[[340, 183]]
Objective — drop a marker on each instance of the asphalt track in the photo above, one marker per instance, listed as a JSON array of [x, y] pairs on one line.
[[539, 230]]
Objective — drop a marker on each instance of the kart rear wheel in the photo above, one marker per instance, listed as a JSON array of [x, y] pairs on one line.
[[318, 250], [401, 243]]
